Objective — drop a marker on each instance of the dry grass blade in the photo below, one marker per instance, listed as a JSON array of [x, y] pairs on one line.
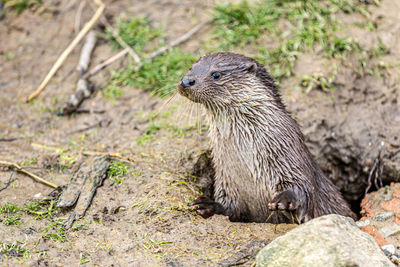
[[34, 176], [113, 155]]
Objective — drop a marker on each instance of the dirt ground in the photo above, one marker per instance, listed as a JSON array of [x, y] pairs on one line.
[[145, 220]]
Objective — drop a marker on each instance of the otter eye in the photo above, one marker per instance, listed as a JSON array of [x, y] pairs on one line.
[[216, 75]]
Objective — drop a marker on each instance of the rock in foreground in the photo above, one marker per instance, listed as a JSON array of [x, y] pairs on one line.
[[331, 240]]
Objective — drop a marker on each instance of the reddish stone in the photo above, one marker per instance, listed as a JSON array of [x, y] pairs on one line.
[[392, 205], [396, 194], [397, 220], [380, 240], [366, 205]]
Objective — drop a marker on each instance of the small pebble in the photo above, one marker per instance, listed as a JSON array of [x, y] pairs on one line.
[[38, 195], [383, 216], [389, 248], [363, 223]]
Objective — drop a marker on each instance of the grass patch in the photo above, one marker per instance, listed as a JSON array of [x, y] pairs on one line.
[[159, 76], [117, 172], [41, 209], [9, 208], [136, 33], [16, 250], [20, 5], [55, 232], [297, 26], [242, 23], [9, 214], [12, 220]]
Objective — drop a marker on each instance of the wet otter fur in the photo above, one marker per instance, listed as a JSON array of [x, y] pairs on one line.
[[263, 170]]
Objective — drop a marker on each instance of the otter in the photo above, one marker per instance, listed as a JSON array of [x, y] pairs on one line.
[[264, 172]]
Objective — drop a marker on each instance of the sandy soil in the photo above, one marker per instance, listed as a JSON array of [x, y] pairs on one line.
[[145, 220]]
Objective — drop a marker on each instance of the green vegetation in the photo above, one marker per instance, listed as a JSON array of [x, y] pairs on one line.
[[242, 23], [12, 220], [136, 32], [16, 250], [20, 5], [158, 75], [117, 172], [308, 25], [41, 209], [55, 231], [9, 208]]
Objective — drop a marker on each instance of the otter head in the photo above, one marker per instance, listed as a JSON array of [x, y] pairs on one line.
[[226, 79]]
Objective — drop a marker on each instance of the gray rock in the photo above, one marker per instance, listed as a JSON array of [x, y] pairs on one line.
[[331, 240]]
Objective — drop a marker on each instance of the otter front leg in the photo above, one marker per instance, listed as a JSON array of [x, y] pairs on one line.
[[207, 207], [290, 200]]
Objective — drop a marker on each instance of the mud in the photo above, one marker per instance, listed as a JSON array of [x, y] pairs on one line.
[[145, 220]]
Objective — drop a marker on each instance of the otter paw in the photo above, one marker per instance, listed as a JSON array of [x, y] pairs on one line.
[[286, 200], [206, 207]]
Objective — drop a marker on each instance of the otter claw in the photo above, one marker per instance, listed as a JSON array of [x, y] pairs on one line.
[[286, 200], [206, 207]]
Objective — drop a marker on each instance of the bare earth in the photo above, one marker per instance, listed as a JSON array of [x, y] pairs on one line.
[[145, 220]]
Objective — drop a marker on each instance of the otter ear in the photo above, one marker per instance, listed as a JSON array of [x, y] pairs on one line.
[[250, 66]]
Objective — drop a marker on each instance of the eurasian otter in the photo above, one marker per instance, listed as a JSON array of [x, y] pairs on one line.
[[263, 169]]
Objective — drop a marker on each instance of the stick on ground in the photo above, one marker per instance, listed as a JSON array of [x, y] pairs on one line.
[[67, 51], [34, 176], [83, 89]]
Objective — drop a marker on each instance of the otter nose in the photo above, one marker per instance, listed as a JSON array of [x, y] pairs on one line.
[[187, 82]]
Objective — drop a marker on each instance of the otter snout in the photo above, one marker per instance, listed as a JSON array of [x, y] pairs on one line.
[[186, 86], [187, 82]]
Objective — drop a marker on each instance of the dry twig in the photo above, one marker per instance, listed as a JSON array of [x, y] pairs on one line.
[[78, 16], [114, 33], [34, 176], [113, 155], [68, 50], [10, 180]]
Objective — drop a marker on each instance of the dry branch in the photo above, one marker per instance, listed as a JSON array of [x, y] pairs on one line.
[[86, 52], [83, 88], [68, 50], [156, 53], [34, 176]]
